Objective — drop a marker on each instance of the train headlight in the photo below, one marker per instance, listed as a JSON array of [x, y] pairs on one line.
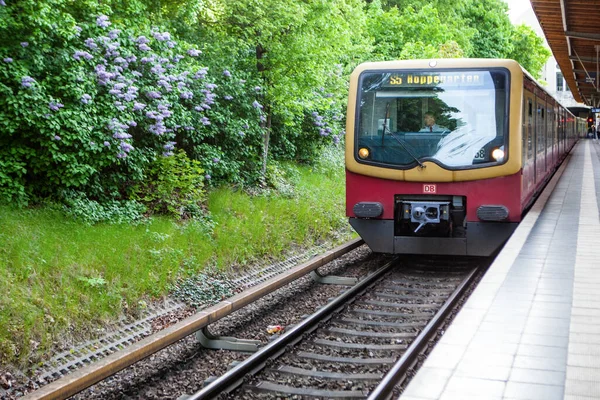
[[363, 153], [498, 154]]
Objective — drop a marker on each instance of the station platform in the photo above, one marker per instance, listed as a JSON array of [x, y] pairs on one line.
[[531, 329]]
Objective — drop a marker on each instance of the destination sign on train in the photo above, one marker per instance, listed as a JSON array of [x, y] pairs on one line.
[[473, 78]]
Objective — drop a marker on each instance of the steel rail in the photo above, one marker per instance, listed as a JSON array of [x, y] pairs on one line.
[[385, 388], [234, 376], [93, 373]]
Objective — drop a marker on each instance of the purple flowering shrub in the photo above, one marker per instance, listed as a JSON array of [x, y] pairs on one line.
[[112, 104], [88, 105]]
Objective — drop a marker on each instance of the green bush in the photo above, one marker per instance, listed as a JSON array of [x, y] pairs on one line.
[[175, 186], [78, 206]]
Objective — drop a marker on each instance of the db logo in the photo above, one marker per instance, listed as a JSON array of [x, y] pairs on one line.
[[428, 188]]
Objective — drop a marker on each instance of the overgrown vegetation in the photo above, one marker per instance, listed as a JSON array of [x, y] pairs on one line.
[[60, 276], [143, 141], [90, 103]]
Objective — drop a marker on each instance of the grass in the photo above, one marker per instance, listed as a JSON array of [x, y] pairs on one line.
[[61, 279]]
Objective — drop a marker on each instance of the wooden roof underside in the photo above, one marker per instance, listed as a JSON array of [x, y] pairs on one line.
[[572, 29]]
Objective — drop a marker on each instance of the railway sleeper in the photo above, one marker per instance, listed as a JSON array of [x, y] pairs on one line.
[[383, 335], [346, 360], [294, 371], [269, 387]]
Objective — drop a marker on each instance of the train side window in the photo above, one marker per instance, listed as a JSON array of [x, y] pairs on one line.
[[529, 129], [540, 130]]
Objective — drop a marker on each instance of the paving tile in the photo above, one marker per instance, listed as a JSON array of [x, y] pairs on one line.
[[575, 337], [583, 360], [506, 319], [553, 299], [541, 363], [536, 329], [537, 376], [516, 295], [590, 312], [584, 348], [495, 327], [545, 340], [531, 391], [458, 334], [583, 388], [486, 342], [487, 357], [476, 370], [586, 304], [487, 338], [429, 383], [590, 295], [469, 316], [542, 351], [503, 310], [563, 291], [581, 319], [445, 356], [474, 387], [583, 374], [585, 328], [462, 396]]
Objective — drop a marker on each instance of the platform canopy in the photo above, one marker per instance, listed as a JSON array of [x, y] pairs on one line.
[[572, 29]]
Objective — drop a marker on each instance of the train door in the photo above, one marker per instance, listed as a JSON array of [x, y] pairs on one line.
[[528, 144], [551, 134], [540, 142]]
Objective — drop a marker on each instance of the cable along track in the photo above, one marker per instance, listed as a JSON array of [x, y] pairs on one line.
[[345, 349]]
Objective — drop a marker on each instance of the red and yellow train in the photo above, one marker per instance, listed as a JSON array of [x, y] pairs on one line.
[[445, 156]]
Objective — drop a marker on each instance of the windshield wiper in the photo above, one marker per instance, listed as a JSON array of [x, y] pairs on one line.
[[401, 142], [387, 116]]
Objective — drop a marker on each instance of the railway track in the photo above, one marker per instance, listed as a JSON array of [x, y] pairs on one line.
[[104, 368], [345, 350], [361, 344]]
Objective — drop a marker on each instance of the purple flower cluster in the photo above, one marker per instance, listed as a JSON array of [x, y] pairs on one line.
[[168, 147], [78, 55], [55, 106], [24, 44], [153, 94], [152, 73], [7, 60], [324, 129], [90, 44], [86, 98], [161, 36], [27, 81], [201, 73], [102, 21]]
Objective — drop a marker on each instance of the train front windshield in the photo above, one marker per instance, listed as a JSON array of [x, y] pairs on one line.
[[456, 118]]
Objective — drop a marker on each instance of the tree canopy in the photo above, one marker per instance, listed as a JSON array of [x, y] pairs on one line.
[[93, 95]]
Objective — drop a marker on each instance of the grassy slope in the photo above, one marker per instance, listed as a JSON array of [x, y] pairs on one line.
[[58, 276]]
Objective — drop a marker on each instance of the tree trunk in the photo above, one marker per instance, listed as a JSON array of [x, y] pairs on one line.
[[266, 136], [265, 125]]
